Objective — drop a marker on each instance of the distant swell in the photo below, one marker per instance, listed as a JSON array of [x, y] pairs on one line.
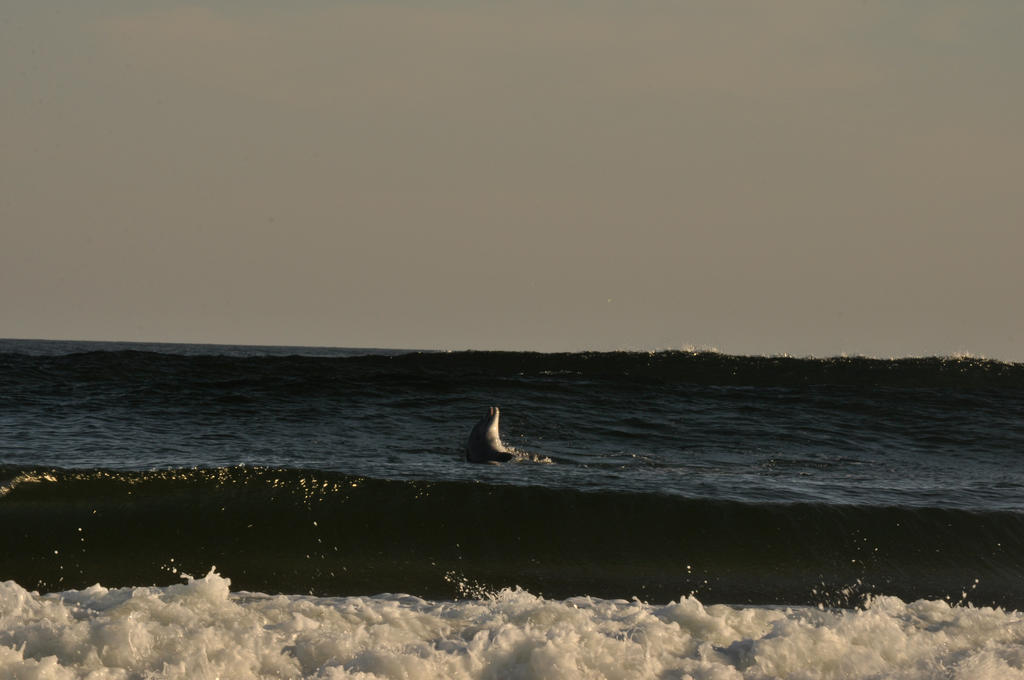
[[287, 530], [303, 374]]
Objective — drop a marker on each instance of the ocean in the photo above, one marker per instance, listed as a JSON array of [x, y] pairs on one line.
[[209, 511]]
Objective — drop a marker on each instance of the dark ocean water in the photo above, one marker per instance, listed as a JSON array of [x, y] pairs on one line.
[[743, 480], [667, 515]]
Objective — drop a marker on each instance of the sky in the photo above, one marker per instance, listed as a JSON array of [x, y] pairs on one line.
[[792, 177]]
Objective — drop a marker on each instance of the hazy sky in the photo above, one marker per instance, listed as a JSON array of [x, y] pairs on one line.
[[760, 177]]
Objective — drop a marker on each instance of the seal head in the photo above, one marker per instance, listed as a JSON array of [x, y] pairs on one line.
[[484, 443]]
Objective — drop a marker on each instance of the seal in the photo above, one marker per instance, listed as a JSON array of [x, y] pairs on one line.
[[484, 443]]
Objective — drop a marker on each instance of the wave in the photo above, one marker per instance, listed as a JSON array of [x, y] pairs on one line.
[[202, 629], [686, 367], [305, 531]]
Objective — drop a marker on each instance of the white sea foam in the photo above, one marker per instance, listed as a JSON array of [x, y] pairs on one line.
[[200, 630]]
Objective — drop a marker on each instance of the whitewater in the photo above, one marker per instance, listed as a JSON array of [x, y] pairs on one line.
[[200, 629]]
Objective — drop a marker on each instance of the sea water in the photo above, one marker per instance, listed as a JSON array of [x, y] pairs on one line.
[[675, 514]]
